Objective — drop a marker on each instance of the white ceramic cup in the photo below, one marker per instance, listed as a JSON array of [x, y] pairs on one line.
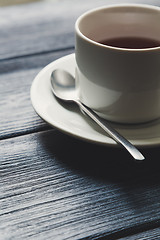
[[120, 84]]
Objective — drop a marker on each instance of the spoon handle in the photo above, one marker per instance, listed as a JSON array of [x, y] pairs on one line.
[[112, 132]]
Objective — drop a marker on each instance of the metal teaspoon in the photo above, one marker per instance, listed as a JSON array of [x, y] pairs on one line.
[[63, 87]]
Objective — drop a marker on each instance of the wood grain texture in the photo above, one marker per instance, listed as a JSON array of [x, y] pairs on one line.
[[55, 187], [153, 234], [17, 115], [45, 25]]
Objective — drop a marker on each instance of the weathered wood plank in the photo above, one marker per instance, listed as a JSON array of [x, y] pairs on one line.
[[45, 25], [56, 187], [153, 234], [17, 115]]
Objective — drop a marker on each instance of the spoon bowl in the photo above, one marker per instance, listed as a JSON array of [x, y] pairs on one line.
[[63, 85]]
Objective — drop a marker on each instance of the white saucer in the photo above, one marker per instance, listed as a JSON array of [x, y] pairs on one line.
[[70, 120]]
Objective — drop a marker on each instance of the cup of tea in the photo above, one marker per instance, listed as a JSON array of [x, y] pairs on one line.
[[118, 62]]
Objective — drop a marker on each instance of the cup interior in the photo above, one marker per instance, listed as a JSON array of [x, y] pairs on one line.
[[120, 21]]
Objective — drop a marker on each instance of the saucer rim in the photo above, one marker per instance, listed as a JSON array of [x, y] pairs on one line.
[[142, 143]]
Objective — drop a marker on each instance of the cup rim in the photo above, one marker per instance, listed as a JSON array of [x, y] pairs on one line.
[[146, 6]]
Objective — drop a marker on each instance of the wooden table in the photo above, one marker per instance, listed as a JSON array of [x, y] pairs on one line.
[[54, 186]]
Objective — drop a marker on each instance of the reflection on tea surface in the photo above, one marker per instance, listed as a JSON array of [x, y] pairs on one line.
[[131, 42]]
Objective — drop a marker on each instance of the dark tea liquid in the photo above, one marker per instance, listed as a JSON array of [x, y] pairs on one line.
[[131, 42]]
